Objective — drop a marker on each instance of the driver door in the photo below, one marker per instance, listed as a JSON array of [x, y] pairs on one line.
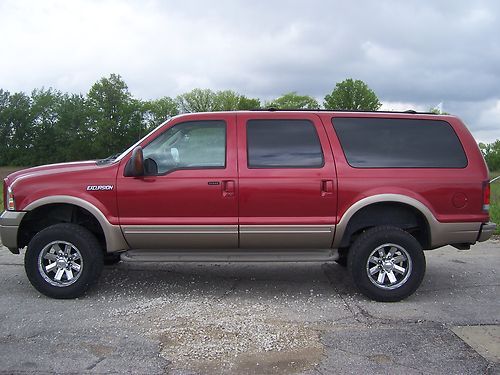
[[190, 198]]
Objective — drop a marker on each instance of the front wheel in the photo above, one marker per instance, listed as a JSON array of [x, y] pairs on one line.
[[63, 261], [386, 263]]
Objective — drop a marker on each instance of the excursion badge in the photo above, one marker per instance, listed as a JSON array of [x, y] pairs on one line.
[[99, 187]]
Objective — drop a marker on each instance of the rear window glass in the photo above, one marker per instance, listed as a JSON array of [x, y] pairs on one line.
[[399, 143], [283, 144]]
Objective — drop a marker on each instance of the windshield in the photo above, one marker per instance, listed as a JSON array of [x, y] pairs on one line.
[[107, 160], [122, 155]]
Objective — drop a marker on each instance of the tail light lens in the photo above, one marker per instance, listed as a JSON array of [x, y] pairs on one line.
[[486, 196]]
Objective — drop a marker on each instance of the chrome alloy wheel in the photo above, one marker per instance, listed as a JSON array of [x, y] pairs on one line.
[[60, 263], [389, 266]]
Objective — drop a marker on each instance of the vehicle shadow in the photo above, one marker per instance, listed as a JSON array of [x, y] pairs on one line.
[[220, 279]]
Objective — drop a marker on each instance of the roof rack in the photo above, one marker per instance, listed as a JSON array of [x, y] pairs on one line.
[[274, 109]]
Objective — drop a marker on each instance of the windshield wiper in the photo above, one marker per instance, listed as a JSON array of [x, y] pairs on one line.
[[107, 160]]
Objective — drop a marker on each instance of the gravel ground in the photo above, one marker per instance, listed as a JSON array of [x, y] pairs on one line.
[[250, 318]]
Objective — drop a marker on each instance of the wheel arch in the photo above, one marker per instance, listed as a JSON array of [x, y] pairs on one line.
[[68, 209], [386, 209]]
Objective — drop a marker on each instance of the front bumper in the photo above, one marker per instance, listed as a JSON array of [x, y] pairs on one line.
[[9, 226], [486, 231]]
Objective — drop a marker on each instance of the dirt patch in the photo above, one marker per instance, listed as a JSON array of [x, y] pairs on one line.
[[4, 171], [100, 350], [229, 336]]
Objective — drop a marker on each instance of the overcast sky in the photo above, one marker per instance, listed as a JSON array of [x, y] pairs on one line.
[[413, 54]]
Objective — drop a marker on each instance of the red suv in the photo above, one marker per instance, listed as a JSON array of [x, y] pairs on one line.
[[368, 190]]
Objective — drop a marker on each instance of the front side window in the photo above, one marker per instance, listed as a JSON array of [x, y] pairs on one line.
[[283, 144], [189, 145]]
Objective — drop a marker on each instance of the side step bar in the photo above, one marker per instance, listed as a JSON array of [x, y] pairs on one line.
[[229, 256]]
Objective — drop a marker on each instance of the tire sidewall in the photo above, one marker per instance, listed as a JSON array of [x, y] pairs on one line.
[[369, 241], [89, 249]]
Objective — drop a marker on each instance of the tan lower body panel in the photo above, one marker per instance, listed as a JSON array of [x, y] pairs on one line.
[[286, 236], [181, 236], [9, 226], [451, 233], [226, 236]]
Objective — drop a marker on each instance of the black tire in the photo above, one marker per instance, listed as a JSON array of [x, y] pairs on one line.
[[79, 263], [404, 262], [342, 261], [111, 259]]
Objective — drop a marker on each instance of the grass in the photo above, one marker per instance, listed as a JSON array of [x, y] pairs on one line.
[[4, 171], [495, 200]]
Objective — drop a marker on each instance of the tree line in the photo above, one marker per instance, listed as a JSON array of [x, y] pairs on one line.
[[491, 153], [49, 126]]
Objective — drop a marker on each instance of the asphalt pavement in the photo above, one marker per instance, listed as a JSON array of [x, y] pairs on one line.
[[277, 318]]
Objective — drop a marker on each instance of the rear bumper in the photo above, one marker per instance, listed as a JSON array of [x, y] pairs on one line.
[[486, 231], [9, 226]]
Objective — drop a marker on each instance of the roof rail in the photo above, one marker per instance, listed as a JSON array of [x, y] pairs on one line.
[[274, 109]]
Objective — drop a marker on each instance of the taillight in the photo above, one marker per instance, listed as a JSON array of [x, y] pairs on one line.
[[486, 196]]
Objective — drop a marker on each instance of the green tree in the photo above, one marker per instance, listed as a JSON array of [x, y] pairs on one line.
[[352, 95], [229, 100], [197, 100], [245, 103], [292, 100], [45, 117], [437, 111], [74, 135], [159, 110], [491, 153], [206, 100], [5, 127], [116, 119], [226, 100], [17, 123]]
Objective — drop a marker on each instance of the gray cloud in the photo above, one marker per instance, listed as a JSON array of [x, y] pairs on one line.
[[412, 52]]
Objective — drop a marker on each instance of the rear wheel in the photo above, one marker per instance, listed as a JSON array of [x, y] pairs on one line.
[[386, 263], [63, 261]]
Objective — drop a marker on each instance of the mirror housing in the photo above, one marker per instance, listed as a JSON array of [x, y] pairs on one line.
[[135, 166], [150, 167]]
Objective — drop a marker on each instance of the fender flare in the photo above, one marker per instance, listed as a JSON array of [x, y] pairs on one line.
[[384, 198], [113, 234]]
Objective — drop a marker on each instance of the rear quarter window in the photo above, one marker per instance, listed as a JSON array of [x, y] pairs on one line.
[[399, 143]]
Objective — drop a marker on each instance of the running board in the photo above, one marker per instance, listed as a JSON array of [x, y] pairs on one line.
[[229, 256]]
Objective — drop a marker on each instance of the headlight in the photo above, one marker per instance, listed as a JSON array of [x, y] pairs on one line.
[[9, 198]]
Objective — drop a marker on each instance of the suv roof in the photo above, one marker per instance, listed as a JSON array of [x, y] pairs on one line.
[[272, 109]]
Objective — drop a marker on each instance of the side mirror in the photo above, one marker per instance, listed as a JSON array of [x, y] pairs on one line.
[[135, 166], [150, 167]]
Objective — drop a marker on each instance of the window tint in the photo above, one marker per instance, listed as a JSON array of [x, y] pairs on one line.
[[189, 145], [399, 143], [283, 144]]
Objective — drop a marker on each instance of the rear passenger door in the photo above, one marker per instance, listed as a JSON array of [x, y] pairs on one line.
[[287, 181]]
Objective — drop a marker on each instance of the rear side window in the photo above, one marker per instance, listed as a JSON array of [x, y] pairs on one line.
[[283, 144], [399, 143]]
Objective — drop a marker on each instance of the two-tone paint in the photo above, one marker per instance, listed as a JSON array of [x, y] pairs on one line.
[[239, 207]]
